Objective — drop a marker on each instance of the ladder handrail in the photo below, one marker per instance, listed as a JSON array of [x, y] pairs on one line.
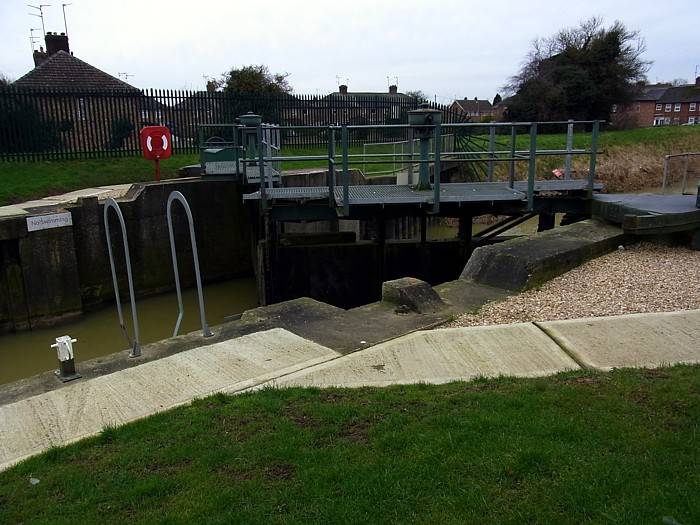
[[135, 345], [177, 196]]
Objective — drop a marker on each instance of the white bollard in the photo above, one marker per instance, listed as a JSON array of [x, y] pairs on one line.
[[66, 360]]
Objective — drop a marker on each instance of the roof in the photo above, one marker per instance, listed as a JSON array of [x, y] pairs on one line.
[[688, 93], [651, 93], [367, 94], [62, 70], [473, 106]]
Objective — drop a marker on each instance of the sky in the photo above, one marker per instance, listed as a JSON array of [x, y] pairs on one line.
[[444, 48]]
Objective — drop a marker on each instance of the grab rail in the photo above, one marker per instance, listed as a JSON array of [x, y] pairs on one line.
[[135, 345], [177, 196]]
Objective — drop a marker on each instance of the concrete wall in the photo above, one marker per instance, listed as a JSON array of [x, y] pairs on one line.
[[48, 275]]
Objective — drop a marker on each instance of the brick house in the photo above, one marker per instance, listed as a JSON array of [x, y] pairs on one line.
[[89, 106], [477, 109], [660, 105]]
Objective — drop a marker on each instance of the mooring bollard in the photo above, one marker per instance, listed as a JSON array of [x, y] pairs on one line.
[[66, 361]]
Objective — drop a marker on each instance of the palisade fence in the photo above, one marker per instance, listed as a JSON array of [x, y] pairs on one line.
[[71, 124]]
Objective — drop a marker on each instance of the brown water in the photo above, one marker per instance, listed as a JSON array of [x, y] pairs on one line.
[[28, 353]]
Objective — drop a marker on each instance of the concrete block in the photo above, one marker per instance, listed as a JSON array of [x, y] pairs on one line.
[[82, 409], [441, 356], [413, 293], [636, 340], [529, 261]]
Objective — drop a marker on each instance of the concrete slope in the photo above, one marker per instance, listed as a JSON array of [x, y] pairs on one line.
[[32, 425], [634, 340], [440, 356]]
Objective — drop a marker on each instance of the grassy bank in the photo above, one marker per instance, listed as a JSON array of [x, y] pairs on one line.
[[631, 159], [576, 448]]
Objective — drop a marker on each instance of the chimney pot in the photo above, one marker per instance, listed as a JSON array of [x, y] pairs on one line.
[[56, 43], [343, 89], [393, 90]]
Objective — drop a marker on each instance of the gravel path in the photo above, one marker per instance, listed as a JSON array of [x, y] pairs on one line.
[[641, 278]]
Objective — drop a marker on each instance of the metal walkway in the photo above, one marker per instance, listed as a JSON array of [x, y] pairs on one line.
[[404, 194]]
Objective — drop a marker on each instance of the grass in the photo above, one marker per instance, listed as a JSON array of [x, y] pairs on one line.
[[575, 448], [21, 181]]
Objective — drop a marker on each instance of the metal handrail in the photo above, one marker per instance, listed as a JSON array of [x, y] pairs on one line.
[[685, 168], [491, 155], [177, 196], [135, 345]]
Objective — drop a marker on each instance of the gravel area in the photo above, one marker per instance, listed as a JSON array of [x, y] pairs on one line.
[[641, 278]]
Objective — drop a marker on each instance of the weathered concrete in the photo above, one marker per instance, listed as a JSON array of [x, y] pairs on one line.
[[82, 409], [440, 356], [636, 340], [529, 261], [648, 214], [413, 294], [48, 275]]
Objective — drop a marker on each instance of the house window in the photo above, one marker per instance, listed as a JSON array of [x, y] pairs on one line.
[[691, 120], [677, 107], [614, 108], [82, 112], [659, 107], [637, 107], [667, 121], [144, 115], [692, 106], [658, 121], [668, 108]]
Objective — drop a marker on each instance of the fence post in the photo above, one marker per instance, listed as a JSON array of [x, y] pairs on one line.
[[346, 172], [437, 169], [331, 166], [492, 147], [569, 147], [594, 152], [532, 167], [511, 167]]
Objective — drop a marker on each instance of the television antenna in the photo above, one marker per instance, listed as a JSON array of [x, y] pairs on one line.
[[125, 75], [65, 24], [39, 8], [33, 39]]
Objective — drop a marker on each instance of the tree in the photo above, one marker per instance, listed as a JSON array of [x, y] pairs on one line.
[[578, 73], [417, 94], [4, 80], [255, 80], [679, 82]]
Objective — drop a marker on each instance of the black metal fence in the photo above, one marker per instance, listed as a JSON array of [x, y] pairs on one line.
[[69, 124]]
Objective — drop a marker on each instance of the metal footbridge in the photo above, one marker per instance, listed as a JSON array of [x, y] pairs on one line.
[[509, 143]]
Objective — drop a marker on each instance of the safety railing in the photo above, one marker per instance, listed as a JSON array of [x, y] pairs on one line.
[[490, 156], [179, 197], [110, 203], [686, 159]]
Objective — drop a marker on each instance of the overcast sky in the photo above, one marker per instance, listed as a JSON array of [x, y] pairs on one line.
[[444, 48]]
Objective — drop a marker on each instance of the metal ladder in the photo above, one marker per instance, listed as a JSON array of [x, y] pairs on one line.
[[135, 344]]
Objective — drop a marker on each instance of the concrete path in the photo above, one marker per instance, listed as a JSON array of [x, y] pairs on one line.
[[279, 358], [55, 201], [83, 409], [635, 340], [441, 356]]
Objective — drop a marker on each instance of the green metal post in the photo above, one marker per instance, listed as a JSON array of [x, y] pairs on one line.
[[511, 170], [492, 147], [424, 168], [346, 172], [436, 168], [261, 167], [331, 166], [532, 167], [594, 152]]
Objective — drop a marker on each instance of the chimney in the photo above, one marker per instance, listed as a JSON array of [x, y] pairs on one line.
[[343, 89], [211, 86], [39, 56], [697, 81], [56, 43], [393, 90]]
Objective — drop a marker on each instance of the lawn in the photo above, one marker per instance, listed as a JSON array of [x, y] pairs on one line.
[[576, 448], [21, 181]]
